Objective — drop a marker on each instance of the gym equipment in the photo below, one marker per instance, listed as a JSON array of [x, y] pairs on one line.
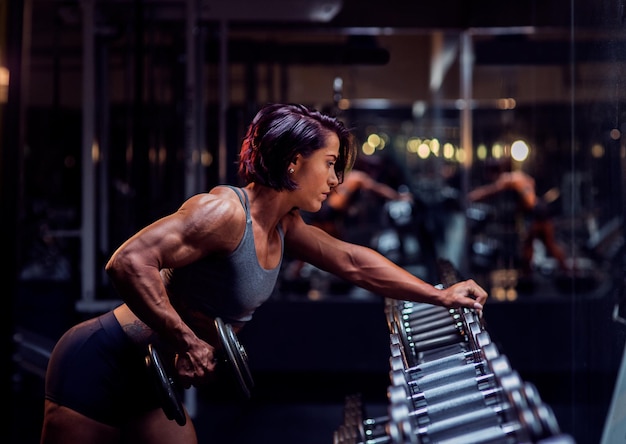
[[231, 362], [236, 357], [427, 416], [167, 388], [449, 383]]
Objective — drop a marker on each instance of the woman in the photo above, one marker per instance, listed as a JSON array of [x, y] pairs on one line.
[[534, 208], [218, 255]]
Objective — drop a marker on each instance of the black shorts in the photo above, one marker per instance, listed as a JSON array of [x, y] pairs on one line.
[[96, 370]]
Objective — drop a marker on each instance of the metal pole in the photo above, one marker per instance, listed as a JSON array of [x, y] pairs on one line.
[[467, 67], [192, 156], [223, 100], [88, 232]]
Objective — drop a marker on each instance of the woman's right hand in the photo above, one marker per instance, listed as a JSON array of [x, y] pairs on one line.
[[196, 366]]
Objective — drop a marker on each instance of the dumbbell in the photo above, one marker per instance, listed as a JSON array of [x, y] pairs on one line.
[[433, 408], [429, 341], [524, 414], [547, 419], [419, 340], [508, 421], [425, 327], [352, 430], [232, 355], [531, 420], [352, 418], [451, 355], [417, 311], [450, 388], [425, 316], [487, 351], [470, 336], [413, 313], [448, 398], [448, 413]]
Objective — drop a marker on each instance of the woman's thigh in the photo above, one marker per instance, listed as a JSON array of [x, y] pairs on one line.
[[155, 428], [63, 425]]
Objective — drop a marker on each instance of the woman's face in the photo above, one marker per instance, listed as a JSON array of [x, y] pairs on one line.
[[315, 175]]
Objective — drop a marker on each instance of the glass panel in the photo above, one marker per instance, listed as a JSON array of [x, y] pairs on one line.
[[437, 110]]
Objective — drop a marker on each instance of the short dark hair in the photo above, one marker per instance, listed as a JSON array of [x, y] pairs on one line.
[[278, 133]]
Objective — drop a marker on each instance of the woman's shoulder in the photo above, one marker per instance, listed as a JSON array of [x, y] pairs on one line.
[[219, 205], [221, 195]]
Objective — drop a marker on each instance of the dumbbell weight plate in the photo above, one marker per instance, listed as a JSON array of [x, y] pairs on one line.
[[170, 402], [236, 357]]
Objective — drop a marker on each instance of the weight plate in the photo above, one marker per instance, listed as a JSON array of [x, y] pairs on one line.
[[236, 356], [170, 402]]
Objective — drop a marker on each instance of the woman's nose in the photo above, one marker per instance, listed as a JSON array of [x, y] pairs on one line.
[[333, 179]]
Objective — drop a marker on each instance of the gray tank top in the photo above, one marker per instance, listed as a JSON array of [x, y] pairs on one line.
[[231, 286]]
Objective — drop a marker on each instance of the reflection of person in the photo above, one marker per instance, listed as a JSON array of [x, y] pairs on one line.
[[535, 207], [331, 216], [217, 255]]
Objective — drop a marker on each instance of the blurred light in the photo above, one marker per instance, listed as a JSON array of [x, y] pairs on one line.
[[511, 294], [461, 155], [95, 151], [507, 103], [413, 144], [343, 104], [4, 84], [519, 150], [481, 151], [615, 134], [419, 109], [129, 153], [423, 150], [367, 149], [374, 140], [207, 158], [597, 150], [448, 150], [337, 89], [273, 10], [338, 84], [497, 151], [162, 155], [325, 11], [434, 147]]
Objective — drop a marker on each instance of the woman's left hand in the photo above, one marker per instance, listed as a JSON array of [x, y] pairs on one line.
[[465, 294]]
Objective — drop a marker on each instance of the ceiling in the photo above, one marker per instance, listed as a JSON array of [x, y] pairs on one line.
[[398, 15], [591, 20]]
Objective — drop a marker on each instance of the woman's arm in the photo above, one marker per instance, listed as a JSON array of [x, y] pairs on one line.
[[205, 224], [370, 270]]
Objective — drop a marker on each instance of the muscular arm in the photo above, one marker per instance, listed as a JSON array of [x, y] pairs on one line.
[[359, 180], [518, 181], [205, 224], [379, 188], [370, 270], [485, 191]]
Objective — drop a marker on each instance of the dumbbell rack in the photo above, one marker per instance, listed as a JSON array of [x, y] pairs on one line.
[[449, 384]]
